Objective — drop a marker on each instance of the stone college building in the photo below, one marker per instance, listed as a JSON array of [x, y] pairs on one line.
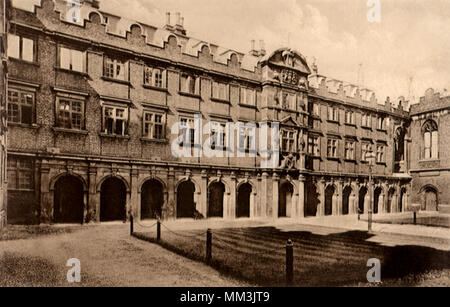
[[93, 99]]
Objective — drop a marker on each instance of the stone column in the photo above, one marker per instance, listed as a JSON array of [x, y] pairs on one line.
[[356, 197], [94, 199], [275, 195], [46, 197], [170, 206], [264, 195], [301, 197], [204, 195], [232, 200], [321, 207], [134, 204], [339, 194]]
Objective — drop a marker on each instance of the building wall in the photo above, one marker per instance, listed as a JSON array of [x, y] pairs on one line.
[[91, 157]]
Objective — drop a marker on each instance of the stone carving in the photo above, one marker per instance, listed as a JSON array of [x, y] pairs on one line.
[[289, 162]]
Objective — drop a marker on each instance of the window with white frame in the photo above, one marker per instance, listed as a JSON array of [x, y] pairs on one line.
[[314, 145], [154, 125], [366, 148], [115, 120], [220, 91], [187, 131], [349, 150], [22, 48], [366, 120], [154, 77], [189, 84], [248, 96], [333, 114], [20, 173], [332, 148], [115, 69], [21, 105], [380, 153], [288, 141], [349, 117], [431, 140], [218, 136], [72, 59], [381, 123], [70, 114]]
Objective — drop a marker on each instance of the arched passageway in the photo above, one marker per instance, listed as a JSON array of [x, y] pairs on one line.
[[152, 200], [185, 200], [243, 201], [113, 195], [68, 200]]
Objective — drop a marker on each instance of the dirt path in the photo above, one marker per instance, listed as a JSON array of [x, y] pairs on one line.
[[108, 256]]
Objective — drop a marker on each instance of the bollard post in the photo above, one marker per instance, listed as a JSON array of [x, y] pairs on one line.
[[131, 225], [289, 262], [415, 218], [208, 246], [158, 230]]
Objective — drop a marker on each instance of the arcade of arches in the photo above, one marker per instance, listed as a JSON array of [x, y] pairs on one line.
[[251, 199]]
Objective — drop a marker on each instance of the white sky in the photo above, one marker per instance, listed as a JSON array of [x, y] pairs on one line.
[[411, 41]]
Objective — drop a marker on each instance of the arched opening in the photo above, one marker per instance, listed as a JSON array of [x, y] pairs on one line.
[[362, 200], [216, 193], [68, 200], [113, 194], [329, 195], [312, 199], [285, 199], [399, 150], [377, 200], [346, 200], [430, 140], [430, 200], [152, 200], [390, 201], [243, 203], [185, 200]]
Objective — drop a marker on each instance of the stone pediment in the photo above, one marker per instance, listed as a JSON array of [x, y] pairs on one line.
[[289, 121], [288, 58]]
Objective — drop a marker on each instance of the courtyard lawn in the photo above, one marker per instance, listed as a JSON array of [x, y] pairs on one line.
[[257, 255]]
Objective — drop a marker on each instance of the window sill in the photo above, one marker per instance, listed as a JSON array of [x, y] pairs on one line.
[[155, 88], [382, 163], [249, 106], [350, 160], [333, 121], [350, 125], [218, 100], [20, 125], [315, 157], [71, 131], [24, 62], [429, 160], [367, 128], [74, 72], [116, 80], [382, 130], [161, 141], [190, 95], [111, 136], [334, 159]]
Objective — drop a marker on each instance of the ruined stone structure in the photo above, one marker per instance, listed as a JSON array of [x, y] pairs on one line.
[[93, 99]]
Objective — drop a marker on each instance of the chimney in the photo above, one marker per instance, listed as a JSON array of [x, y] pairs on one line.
[[262, 47], [178, 19], [253, 50], [168, 19], [182, 22]]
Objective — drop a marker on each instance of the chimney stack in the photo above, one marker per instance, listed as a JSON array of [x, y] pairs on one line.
[[262, 48], [168, 19], [178, 19]]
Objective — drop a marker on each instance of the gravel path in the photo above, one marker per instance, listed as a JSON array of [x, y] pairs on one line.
[[108, 256]]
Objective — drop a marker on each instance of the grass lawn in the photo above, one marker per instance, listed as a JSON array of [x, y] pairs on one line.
[[257, 255], [29, 232], [433, 221]]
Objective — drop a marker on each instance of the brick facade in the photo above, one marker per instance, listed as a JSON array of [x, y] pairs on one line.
[[95, 142]]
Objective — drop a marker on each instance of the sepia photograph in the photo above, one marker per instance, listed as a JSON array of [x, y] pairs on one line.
[[224, 150]]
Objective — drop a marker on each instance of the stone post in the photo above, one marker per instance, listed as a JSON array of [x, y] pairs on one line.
[[301, 197], [275, 195]]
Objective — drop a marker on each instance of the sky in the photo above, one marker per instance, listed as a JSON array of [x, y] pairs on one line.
[[408, 51]]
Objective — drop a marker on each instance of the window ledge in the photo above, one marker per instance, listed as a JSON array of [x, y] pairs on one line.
[[24, 61], [382, 130], [79, 73], [367, 128], [161, 141], [350, 125], [112, 136], [429, 160], [315, 157], [334, 159], [73, 131], [333, 121], [248, 106], [220, 100], [350, 160], [116, 80], [33, 126], [155, 88], [381, 163], [189, 95]]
